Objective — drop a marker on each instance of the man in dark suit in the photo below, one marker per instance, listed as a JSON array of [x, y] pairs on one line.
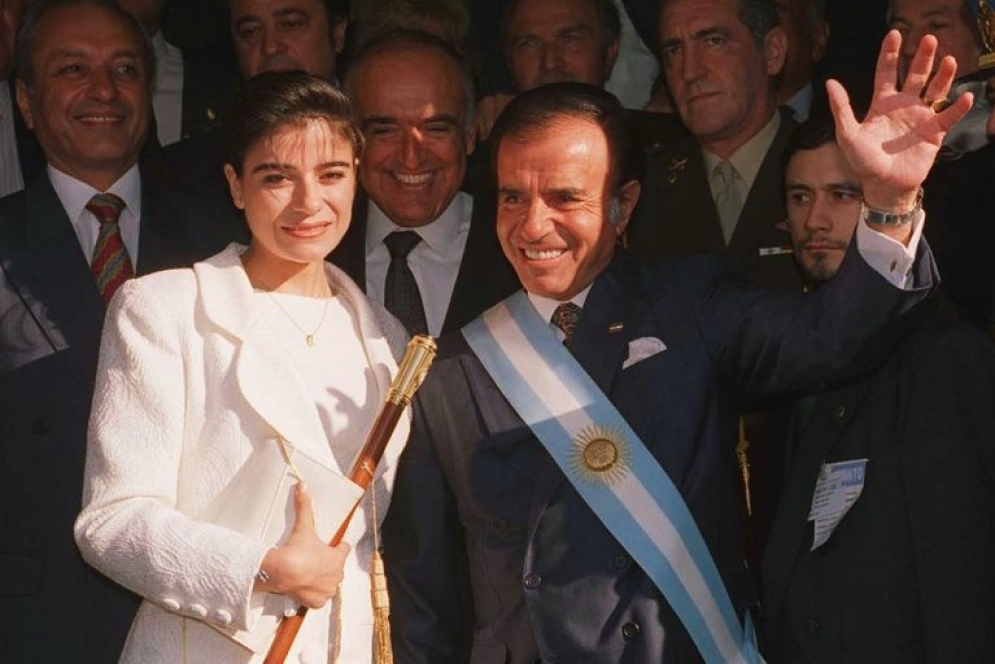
[[719, 189], [84, 90], [193, 87], [413, 99], [881, 549], [675, 348]]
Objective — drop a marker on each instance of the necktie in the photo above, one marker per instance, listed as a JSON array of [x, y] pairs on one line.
[[111, 265], [565, 317], [727, 198], [401, 295]]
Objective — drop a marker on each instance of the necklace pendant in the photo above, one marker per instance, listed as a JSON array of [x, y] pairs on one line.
[[310, 340]]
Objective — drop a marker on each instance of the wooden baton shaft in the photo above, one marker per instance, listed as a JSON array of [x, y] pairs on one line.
[[417, 359]]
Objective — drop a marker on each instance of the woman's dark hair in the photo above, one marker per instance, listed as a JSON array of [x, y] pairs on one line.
[[272, 100]]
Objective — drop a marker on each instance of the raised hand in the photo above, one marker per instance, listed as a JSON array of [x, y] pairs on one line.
[[304, 567], [894, 147]]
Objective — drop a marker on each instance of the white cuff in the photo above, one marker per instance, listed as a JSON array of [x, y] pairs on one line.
[[890, 258]]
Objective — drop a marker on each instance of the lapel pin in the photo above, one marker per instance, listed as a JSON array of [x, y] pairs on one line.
[[676, 168], [615, 328]]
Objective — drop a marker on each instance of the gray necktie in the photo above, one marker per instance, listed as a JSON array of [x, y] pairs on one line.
[[726, 196], [401, 295]]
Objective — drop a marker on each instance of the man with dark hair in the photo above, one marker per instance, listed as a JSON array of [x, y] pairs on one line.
[[284, 35], [881, 549], [74, 234], [575, 442], [545, 41], [413, 99], [269, 35]]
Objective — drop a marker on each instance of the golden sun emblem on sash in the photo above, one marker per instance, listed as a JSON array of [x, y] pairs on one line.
[[600, 454]]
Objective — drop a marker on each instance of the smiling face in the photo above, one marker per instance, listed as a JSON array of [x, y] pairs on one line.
[[719, 77], [549, 41], [411, 105], [296, 188], [89, 101], [285, 35], [553, 202], [823, 205]]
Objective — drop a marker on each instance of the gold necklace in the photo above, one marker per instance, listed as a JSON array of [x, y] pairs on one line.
[[308, 336]]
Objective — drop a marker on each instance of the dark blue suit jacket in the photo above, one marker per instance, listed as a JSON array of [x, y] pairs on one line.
[[907, 576], [53, 607], [548, 580]]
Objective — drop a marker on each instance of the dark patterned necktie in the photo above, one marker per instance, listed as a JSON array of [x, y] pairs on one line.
[[401, 295], [111, 265], [565, 317]]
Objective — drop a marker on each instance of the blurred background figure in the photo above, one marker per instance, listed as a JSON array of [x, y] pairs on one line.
[[192, 89]]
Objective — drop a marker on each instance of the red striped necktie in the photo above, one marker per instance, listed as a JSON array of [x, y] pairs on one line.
[[111, 266]]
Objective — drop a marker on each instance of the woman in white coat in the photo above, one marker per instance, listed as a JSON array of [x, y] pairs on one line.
[[221, 387]]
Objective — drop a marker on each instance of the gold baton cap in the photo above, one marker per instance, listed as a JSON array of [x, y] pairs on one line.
[[414, 366]]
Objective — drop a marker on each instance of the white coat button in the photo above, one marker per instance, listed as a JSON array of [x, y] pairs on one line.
[[198, 610], [171, 605]]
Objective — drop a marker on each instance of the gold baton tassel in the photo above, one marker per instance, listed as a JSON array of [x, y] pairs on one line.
[[383, 651]]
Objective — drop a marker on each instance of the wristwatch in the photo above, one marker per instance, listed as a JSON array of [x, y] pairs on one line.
[[883, 218]]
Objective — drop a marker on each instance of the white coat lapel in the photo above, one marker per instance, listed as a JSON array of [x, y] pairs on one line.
[[265, 374]]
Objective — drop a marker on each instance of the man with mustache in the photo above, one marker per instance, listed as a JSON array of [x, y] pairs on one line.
[[88, 222], [902, 572]]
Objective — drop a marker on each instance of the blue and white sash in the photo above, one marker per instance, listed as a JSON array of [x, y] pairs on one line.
[[612, 471]]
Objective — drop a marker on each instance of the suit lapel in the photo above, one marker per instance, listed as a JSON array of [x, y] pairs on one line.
[[692, 213], [810, 441], [764, 206], [266, 374], [56, 273], [596, 345], [485, 277], [29, 152], [597, 349], [350, 255]]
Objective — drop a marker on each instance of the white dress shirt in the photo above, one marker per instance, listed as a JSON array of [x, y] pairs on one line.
[[636, 67], [434, 262], [747, 159], [167, 97], [11, 178], [74, 195], [801, 103]]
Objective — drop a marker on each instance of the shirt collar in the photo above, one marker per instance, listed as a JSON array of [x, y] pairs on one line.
[[748, 158], [439, 235], [801, 103], [74, 194], [547, 305]]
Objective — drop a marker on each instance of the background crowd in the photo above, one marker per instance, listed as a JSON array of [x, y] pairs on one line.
[[113, 145]]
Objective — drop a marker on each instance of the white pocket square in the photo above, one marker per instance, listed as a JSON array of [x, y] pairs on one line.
[[642, 348]]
